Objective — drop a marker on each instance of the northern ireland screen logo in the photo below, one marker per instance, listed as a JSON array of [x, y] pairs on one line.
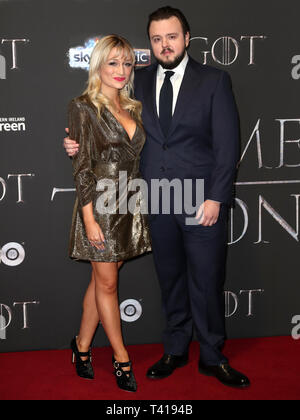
[[12, 124]]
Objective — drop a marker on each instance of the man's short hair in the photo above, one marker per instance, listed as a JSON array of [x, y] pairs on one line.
[[166, 13]]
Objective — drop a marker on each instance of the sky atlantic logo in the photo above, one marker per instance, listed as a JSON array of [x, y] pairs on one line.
[[4, 57], [12, 124], [79, 57]]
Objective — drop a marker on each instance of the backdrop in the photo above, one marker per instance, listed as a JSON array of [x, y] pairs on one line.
[[44, 54]]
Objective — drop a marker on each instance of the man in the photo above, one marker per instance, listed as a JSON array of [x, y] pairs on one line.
[[191, 123]]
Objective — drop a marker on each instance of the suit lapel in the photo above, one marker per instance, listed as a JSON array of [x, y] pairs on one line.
[[191, 79], [150, 100]]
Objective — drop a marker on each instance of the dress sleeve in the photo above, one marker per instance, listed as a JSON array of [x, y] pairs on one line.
[[82, 163]]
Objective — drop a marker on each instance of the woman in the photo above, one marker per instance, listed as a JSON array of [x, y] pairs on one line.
[[106, 122]]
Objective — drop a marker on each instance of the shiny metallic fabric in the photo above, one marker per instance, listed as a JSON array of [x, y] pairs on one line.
[[105, 150]]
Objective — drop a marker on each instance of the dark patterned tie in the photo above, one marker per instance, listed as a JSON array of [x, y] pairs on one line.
[[166, 103]]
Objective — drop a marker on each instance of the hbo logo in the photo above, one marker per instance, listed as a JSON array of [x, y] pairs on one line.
[[12, 254], [131, 310]]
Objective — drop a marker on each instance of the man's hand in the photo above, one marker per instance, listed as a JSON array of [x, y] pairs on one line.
[[208, 213], [70, 145]]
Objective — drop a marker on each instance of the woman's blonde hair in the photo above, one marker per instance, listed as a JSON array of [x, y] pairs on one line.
[[100, 56]]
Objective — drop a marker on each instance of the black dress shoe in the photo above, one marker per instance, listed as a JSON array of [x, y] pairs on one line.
[[225, 374], [166, 366]]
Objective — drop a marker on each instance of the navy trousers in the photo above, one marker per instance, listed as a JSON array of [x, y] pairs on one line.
[[190, 263]]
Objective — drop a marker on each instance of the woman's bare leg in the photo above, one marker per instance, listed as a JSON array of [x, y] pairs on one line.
[[106, 280], [90, 317]]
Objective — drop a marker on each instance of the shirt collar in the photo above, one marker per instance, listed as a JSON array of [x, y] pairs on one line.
[[179, 70]]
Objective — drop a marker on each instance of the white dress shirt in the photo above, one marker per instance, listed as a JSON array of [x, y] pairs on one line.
[[176, 81]]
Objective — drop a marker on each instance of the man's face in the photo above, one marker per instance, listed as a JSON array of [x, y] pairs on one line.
[[168, 41]]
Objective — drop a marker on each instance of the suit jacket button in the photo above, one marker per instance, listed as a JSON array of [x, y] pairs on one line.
[[162, 169], [165, 146]]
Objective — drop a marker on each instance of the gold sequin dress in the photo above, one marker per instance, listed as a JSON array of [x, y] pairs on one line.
[[106, 151]]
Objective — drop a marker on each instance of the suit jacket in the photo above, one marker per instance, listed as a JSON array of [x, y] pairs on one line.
[[203, 141]]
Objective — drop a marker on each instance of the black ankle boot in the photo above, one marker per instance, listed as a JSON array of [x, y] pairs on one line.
[[83, 367], [125, 379]]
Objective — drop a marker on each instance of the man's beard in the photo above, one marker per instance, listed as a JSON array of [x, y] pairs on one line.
[[172, 64]]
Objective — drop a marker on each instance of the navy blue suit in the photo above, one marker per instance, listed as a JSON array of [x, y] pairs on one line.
[[202, 143]]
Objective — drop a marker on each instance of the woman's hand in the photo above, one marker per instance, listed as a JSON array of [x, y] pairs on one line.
[[95, 235], [92, 229]]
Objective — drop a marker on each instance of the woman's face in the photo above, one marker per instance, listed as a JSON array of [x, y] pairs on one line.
[[115, 73]]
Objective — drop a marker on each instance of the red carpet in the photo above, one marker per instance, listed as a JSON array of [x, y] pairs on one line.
[[272, 364]]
